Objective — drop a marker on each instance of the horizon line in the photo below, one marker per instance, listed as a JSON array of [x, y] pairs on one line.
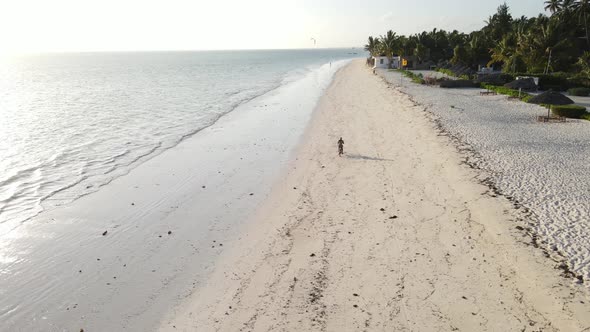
[[25, 53]]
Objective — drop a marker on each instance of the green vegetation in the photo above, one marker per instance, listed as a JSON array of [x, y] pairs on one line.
[[569, 111], [508, 92], [450, 84], [450, 73], [584, 92], [586, 116], [556, 46], [419, 79], [445, 71], [415, 78]]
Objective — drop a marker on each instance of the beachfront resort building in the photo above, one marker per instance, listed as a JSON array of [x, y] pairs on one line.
[[383, 62], [407, 61], [380, 62]]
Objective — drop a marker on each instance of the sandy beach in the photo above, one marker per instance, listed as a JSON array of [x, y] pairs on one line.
[[396, 235], [542, 169]]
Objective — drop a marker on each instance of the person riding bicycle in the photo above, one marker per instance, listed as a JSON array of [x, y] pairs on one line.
[[340, 147]]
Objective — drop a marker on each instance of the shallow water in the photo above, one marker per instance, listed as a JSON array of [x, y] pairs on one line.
[[166, 221], [71, 123]]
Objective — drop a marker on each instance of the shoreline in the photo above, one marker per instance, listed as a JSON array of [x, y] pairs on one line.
[[122, 256], [58, 174], [425, 248]]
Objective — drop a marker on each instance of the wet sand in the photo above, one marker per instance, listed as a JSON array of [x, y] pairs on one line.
[[396, 235]]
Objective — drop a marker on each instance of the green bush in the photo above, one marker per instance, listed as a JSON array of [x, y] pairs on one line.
[[547, 87], [569, 111], [495, 79], [507, 78], [507, 91], [446, 71], [419, 79], [586, 116], [553, 82], [578, 81], [458, 84], [584, 92]]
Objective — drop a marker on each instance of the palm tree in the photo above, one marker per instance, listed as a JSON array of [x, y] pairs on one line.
[[507, 53], [546, 45], [501, 52], [554, 6], [389, 45], [422, 52], [547, 42], [583, 64], [566, 7], [566, 4], [566, 11], [478, 47], [372, 46], [460, 55], [581, 9], [499, 24], [406, 45]]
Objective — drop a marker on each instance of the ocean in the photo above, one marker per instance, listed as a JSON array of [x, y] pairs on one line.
[[72, 123], [120, 170]]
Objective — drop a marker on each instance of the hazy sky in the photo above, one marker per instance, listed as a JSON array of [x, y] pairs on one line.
[[102, 25]]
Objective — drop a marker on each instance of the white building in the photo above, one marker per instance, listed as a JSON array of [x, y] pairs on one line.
[[396, 62], [381, 62]]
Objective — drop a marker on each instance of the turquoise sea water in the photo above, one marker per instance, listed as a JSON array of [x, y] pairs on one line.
[[71, 123]]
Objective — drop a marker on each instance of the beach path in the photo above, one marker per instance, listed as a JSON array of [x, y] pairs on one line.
[[396, 235]]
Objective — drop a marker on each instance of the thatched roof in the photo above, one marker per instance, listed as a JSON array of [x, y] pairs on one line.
[[551, 98], [527, 84]]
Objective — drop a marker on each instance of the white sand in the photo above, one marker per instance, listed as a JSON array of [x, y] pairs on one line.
[[544, 167], [398, 235]]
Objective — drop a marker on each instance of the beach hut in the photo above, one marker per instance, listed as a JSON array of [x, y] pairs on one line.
[[380, 62]]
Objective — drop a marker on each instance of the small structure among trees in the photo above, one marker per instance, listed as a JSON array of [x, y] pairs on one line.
[[543, 44]]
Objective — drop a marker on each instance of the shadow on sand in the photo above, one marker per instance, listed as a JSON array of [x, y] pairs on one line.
[[361, 157]]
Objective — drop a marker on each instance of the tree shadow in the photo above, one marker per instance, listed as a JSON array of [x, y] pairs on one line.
[[361, 157]]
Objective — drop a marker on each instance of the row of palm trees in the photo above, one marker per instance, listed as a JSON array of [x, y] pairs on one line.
[[558, 42], [566, 9]]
